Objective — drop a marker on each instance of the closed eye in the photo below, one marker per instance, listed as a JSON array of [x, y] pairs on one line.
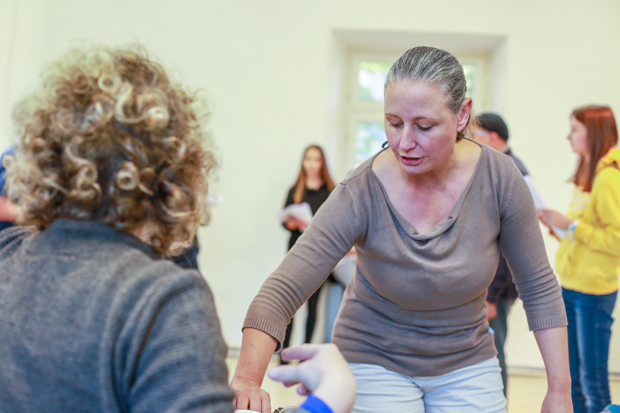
[[424, 128]]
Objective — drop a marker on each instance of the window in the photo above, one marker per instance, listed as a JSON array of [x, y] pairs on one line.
[[369, 137], [371, 79]]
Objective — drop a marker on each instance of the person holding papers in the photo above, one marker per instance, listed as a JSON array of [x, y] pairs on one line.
[[588, 260], [312, 187]]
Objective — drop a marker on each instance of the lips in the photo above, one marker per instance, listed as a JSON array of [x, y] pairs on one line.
[[411, 161]]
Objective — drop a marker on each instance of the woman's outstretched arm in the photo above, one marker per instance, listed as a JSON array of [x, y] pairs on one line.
[[553, 345]]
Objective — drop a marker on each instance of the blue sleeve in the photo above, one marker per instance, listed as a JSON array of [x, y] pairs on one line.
[[315, 405]]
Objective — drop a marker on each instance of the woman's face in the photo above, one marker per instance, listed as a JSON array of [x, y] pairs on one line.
[[312, 163], [420, 127], [578, 137]]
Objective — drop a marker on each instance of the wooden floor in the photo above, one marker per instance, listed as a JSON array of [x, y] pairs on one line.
[[525, 393]]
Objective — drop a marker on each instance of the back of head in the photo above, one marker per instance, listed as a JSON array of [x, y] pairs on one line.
[[601, 126], [602, 135], [492, 122], [109, 138], [434, 67]]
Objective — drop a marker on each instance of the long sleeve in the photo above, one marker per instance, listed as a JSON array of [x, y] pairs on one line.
[[171, 354], [522, 245], [331, 234], [605, 201]]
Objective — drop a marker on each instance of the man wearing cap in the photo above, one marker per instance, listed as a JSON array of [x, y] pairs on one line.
[[492, 131]]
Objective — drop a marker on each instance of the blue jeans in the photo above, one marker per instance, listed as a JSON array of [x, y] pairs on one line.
[[589, 332]]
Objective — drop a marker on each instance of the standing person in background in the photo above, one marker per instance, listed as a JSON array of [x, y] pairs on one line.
[[588, 260], [492, 131], [8, 210], [313, 185]]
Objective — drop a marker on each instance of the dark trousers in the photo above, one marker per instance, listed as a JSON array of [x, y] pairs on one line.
[[313, 301], [500, 327], [589, 332]]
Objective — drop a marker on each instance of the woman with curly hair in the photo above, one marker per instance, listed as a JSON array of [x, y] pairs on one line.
[[110, 175]]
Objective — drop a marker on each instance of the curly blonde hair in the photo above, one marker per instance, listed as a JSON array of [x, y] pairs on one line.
[[109, 138]]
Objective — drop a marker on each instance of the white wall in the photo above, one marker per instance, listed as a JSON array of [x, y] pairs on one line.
[[271, 69]]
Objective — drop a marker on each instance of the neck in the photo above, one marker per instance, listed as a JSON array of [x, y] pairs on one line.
[[144, 232], [503, 148], [314, 182]]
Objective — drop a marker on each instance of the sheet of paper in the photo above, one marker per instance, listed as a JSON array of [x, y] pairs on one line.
[[300, 211], [539, 202]]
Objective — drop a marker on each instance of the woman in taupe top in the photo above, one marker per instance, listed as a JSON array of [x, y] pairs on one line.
[[428, 218]]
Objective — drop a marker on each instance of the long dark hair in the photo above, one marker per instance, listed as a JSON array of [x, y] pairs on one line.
[[602, 136], [300, 184]]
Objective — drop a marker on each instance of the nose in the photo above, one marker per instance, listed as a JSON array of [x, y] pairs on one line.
[[408, 139]]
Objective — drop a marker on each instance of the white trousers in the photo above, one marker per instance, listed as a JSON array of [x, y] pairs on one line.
[[473, 389]]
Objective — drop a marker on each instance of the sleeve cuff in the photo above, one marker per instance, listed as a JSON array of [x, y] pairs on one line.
[[582, 232], [558, 320], [315, 405], [267, 327]]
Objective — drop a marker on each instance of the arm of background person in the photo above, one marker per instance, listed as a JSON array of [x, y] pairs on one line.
[[330, 236], [605, 199], [8, 210], [171, 353]]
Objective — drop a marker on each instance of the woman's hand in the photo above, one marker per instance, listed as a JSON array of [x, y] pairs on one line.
[[553, 219], [293, 223], [249, 396], [322, 372], [491, 311], [557, 402]]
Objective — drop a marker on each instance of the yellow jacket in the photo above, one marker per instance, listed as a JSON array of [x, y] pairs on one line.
[[590, 261]]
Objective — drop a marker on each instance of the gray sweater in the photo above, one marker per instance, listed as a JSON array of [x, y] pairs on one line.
[[416, 304], [92, 321]]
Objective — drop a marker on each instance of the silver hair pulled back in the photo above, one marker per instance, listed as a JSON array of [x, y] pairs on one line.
[[435, 67]]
